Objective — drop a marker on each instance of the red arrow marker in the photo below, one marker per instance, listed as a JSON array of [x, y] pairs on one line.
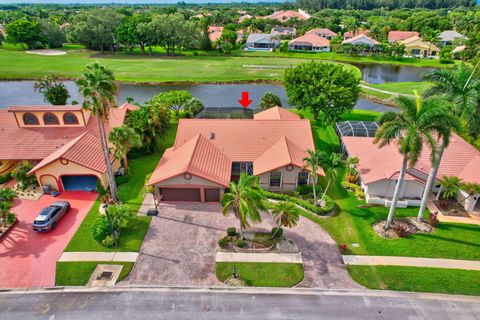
[[245, 100]]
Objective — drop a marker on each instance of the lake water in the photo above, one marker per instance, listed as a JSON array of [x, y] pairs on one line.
[[381, 73], [211, 95]]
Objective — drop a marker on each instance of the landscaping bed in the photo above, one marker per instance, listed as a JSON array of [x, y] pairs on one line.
[[257, 242], [78, 273], [402, 227], [451, 207]]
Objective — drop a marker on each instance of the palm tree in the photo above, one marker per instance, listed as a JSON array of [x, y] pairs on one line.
[[448, 123], [431, 36], [351, 163], [151, 189], [286, 215], [245, 200], [450, 187], [460, 86], [332, 162], [124, 138], [5, 207], [313, 162], [98, 89], [410, 129]]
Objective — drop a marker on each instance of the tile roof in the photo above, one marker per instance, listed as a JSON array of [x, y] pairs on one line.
[[214, 33], [276, 113], [362, 38], [350, 34], [85, 150], [459, 159], [450, 35], [287, 15], [401, 35], [275, 140], [45, 108], [257, 37], [322, 32], [199, 157], [310, 39]]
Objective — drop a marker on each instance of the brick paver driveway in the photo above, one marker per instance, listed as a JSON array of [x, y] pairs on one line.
[[28, 258], [179, 249]]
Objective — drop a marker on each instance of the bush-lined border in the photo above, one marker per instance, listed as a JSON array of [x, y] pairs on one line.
[[322, 211]]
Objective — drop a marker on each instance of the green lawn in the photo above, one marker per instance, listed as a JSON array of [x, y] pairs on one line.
[[78, 273], [380, 95], [403, 87], [437, 280], [352, 224], [262, 274], [15, 64]]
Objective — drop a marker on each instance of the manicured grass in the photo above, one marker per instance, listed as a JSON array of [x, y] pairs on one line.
[[381, 95], [78, 273], [203, 68], [262, 274], [353, 221], [333, 56], [403, 87], [437, 280], [131, 193]]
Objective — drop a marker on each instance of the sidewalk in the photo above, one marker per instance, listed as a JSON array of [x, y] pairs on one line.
[[99, 256], [411, 262], [259, 257]]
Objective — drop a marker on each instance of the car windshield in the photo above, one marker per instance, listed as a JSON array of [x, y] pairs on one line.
[[46, 211]]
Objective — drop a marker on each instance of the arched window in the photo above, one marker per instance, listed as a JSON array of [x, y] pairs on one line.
[[70, 118], [30, 119], [50, 118]]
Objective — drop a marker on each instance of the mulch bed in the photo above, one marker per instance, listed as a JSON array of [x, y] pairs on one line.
[[402, 227], [451, 208]]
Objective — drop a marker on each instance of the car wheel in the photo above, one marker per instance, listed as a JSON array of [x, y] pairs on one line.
[[54, 225], [68, 208]]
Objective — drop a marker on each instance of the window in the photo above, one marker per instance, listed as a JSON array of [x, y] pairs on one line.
[[50, 118], [416, 51], [434, 53], [30, 119], [302, 178], [275, 179], [70, 118]]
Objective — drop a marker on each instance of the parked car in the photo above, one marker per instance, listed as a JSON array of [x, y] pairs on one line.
[[49, 216]]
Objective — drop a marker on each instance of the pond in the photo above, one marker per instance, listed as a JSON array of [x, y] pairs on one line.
[[212, 95], [381, 73]]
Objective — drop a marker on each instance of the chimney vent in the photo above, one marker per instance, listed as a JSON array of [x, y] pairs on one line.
[[212, 135]]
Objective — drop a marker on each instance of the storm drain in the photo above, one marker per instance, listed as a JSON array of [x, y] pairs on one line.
[[105, 275], [188, 218]]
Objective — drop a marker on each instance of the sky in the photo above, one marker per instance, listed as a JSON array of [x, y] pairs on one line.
[[135, 1]]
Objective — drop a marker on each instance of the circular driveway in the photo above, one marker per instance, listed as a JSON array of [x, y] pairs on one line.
[[180, 246]]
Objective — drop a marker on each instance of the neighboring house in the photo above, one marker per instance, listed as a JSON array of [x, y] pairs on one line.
[[283, 16], [323, 32], [350, 34], [244, 17], [418, 48], [283, 32], [63, 141], [395, 36], [361, 39], [379, 169], [214, 33], [447, 37], [310, 42], [261, 42], [209, 153]]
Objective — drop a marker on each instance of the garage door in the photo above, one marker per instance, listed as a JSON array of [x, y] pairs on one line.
[[180, 194], [79, 183], [212, 195]]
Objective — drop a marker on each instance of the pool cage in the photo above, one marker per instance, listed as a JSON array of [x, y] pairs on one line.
[[225, 113], [355, 129]]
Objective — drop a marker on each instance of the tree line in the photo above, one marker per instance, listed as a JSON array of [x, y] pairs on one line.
[[389, 4]]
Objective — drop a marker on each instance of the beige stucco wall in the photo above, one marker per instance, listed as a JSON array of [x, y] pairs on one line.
[[56, 170], [59, 114], [289, 179], [386, 188], [422, 46]]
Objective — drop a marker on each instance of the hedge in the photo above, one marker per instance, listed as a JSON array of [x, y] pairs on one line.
[[323, 211]]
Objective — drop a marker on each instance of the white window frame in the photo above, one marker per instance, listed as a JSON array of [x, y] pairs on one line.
[[270, 179], [308, 177]]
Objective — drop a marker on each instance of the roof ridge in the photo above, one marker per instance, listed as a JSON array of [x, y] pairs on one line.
[[197, 138]]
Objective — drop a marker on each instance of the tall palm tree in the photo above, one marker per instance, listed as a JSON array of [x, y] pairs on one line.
[[313, 162], [332, 162], [461, 87], [286, 215], [97, 86], [124, 139], [245, 200], [418, 123], [448, 123]]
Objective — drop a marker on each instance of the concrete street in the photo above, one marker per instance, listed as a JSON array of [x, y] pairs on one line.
[[248, 303]]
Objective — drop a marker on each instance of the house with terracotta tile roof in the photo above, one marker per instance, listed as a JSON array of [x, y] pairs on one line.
[[309, 42], [62, 141], [379, 168], [209, 153], [351, 34], [286, 15], [395, 36], [214, 33], [323, 32]]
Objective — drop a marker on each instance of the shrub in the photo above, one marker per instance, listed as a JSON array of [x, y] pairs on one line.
[[307, 189], [278, 232], [232, 232], [400, 230], [223, 243], [240, 243], [20, 173], [121, 180], [100, 229], [108, 242], [432, 219], [359, 194], [5, 178], [325, 210], [351, 178], [100, 189]]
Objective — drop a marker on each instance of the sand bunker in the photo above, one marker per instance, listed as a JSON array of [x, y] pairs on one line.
[[47, 52]]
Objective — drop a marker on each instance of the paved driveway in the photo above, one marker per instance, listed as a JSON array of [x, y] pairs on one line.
[[179, 249], [27, 258]]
